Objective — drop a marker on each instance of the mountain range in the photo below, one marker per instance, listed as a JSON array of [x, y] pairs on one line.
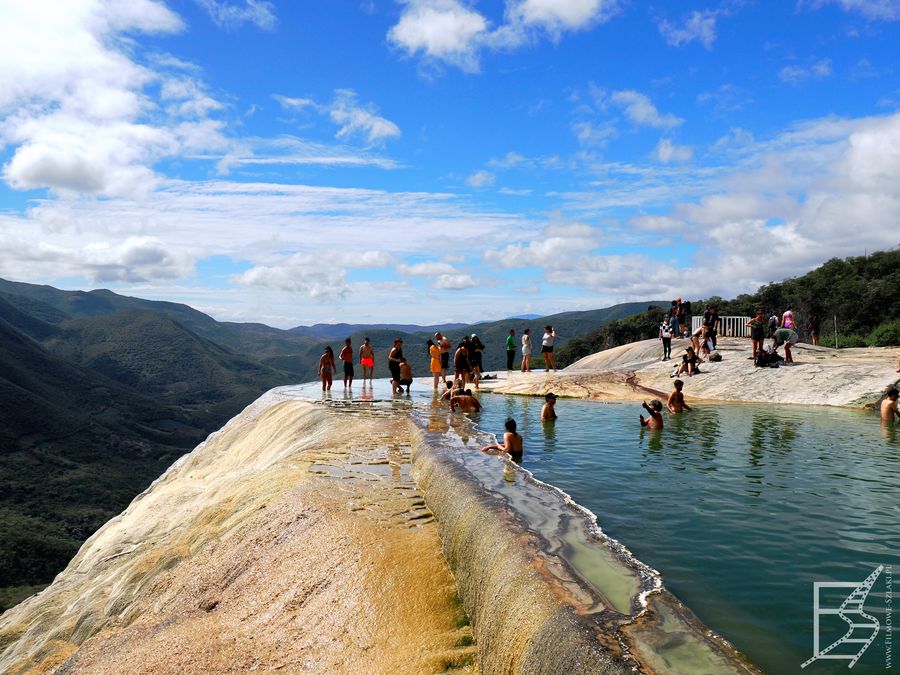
[[101, 392]]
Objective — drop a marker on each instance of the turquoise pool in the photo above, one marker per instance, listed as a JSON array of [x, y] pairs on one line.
[[740, 507]]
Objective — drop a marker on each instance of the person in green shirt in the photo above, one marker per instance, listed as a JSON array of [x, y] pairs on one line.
[[787, 337], [510, 348]]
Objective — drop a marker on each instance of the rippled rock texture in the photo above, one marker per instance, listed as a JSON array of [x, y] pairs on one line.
[[292, 539]]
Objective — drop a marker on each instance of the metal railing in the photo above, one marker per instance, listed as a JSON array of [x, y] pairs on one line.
[[730, 326]]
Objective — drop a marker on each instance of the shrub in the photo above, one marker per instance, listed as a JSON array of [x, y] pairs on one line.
[[885, 335]]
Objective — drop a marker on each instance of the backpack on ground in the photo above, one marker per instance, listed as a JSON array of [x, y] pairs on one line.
[[762, 359]]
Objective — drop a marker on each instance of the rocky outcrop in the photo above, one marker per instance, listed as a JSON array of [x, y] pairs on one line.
[[819, 376], [294, 538]]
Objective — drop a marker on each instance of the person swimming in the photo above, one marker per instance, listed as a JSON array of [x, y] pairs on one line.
[[889, 406], [655, 421], [676, 402], [465, 402], [548, 412], [512, 442]]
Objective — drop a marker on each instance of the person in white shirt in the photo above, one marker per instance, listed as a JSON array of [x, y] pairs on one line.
[[526, 351], [547, 348]]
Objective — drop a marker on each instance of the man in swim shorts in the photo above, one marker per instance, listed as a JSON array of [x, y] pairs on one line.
[[367, 359], [406, 374], [346, 356]]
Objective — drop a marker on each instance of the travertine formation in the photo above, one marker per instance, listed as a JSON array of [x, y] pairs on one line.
[[819, 376], [292, 539]]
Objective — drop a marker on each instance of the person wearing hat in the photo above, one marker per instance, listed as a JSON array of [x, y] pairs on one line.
[[548, 412]]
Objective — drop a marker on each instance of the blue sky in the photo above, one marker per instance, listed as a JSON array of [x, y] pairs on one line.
[[431, 160]]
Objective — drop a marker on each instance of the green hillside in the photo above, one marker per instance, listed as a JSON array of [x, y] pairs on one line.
[[856, 295]]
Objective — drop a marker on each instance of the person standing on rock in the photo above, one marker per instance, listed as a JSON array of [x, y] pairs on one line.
[[666, 331], [510, 349], [327, 368], [526, 351], [757, 328], [813, 327], [434, 353], [367, 359], [346, 356], [444, 344], [394, 357], [547, 348]]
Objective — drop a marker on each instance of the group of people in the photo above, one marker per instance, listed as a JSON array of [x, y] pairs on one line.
[[781, 329], [467, 365]]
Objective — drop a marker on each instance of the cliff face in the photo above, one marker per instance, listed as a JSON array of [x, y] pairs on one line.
[[293, 538]]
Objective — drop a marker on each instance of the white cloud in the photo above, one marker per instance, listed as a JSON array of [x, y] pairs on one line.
[[360, 120], [666, 151], [76, 106], [888, 10], [481, 179], [557, 246], [445, 30], [557, 16], [455, 282], [817, 71], [426, 269], [452, 32], [698, 26], [233, 15], [595, 135], [320, 275], [639, 109], [289, 102]]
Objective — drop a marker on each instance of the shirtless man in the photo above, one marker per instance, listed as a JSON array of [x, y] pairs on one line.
[[676, 403], [548, 412], [394, 357], [655, 421], [465, 402], [443, 342], [889, 407], [456, 389], [406, 374], [346, 356], [367, 359]]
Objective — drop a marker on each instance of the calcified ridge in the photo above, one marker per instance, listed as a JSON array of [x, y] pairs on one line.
[[296, 538]]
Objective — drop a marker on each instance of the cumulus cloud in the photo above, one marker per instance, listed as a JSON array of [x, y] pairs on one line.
[[698, 26], [318, 275], [557, 16], [453, 32], [820, 189], [817, 71], [230, 15], [666, 151], [639, 110], [75, 103], [481, 179], [455, 282], [444, 30]]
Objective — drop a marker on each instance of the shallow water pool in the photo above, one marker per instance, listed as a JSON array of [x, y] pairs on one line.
[[740, 507]]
